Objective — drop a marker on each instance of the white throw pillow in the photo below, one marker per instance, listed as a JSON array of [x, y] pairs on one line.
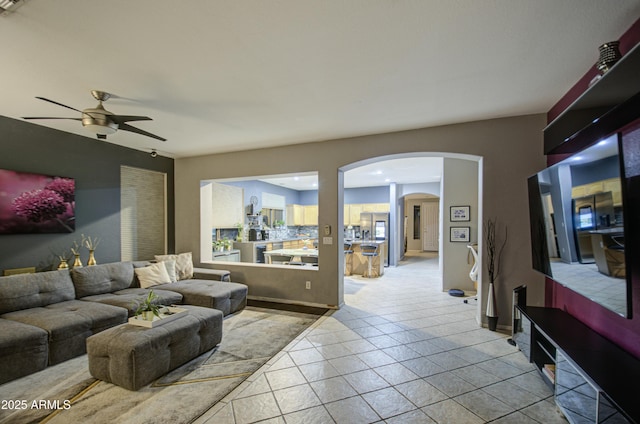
[[152, 275], [184, 264], [170, 264]]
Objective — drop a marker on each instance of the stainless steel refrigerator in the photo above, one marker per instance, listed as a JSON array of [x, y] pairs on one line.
[[375, 226], [591, 213]]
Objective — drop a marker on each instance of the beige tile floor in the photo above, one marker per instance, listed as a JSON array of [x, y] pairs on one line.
[[399, 351]]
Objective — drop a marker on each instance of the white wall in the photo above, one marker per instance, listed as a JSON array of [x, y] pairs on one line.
[[460, 189], [511, 149]]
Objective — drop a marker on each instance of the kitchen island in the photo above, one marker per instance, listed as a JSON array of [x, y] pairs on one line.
[[254, 251], [300, 256], [359, 264]]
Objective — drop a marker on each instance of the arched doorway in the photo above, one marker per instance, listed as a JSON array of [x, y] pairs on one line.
[[457, 183]]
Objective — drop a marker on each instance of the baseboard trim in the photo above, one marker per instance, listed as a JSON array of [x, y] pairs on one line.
[[289, 302]]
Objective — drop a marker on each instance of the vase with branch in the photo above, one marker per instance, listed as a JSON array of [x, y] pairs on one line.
[[91, 244], [494, 256], [77, 263], [63, 257]]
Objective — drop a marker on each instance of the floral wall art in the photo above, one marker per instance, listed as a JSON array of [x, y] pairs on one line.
[[35, 203]]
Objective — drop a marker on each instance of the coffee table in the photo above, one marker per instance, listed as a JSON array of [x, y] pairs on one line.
[[132, 356]]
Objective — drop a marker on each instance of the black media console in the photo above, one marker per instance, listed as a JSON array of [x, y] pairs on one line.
[[593, 379]]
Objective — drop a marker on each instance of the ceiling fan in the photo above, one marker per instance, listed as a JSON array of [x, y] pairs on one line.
[[101, 121]]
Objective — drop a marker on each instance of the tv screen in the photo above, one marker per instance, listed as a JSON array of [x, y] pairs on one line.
[[577, 224], [36, 203]]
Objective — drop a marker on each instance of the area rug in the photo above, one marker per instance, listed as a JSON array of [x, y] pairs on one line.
[[67, 393]]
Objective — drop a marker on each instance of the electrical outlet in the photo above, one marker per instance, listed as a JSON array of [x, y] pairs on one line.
[[308, 285]]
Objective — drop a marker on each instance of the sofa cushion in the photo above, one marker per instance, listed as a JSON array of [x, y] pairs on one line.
[[212, 274], [131, 298], [23, 350], [184, 264], [69, 323], [226, 297], [104, 278], [153, 275], [24, 291]]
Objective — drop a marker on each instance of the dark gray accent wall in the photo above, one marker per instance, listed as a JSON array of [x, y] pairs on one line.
[[95, 165]]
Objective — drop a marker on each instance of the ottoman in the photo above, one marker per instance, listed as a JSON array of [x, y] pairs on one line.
[[132, 356]]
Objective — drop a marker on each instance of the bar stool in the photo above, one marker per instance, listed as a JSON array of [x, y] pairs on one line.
[[309, 260], [280, 259], [348, 259], [370, 251]]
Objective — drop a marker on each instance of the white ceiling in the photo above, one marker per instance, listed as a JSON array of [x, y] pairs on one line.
[[411, 170], [220, 76]]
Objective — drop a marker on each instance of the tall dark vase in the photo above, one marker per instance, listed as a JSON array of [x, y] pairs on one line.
[[492, 310]]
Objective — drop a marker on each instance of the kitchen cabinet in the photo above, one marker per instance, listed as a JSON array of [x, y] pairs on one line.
[[352, 211], [297, 244], [375, 207], [611, 184], [298, 215], [292, 244], [311, 215], [227, 209], [295, 215], [354, 214]]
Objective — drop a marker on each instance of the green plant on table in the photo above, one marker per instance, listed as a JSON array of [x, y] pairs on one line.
[[218, 245], [147, 308], [239, 227]]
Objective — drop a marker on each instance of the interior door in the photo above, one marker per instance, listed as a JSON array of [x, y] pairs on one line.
[[430, 226]]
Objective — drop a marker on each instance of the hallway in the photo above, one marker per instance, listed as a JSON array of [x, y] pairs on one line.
[[398, 351]]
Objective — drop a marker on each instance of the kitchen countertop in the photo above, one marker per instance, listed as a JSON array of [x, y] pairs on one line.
[[225, 252], [612, 230], [277, 240], [293, 252]]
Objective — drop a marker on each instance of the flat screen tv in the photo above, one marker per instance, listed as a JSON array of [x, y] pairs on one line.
[[577, 225], [35, 203]]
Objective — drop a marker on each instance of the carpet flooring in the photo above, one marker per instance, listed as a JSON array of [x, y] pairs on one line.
[[70, 394]]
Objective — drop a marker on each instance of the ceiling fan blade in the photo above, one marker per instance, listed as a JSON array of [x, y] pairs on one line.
[[49, 117], [121, 119], [127, 127], [57, 103]]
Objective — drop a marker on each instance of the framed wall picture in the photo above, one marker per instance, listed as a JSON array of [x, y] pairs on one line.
[[459, 213], [459, 234]]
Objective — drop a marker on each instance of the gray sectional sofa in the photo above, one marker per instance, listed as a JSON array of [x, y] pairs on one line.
[[46, 317]]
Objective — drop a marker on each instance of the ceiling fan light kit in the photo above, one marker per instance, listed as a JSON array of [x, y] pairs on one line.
[[100, 121], [97, 119], [9, 6]]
